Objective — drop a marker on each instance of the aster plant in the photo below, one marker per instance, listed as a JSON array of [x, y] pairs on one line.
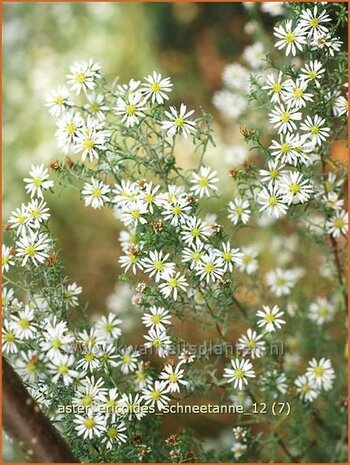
[[105, 396]]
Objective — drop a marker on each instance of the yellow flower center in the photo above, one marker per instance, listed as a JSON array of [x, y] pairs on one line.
[[173, 377], [274, 174], [80, 78], [155, 87], [155, 395], [227, 256], [312, 75], [284, 117], [58, 100], [63, 369], [314, 130], [239, 373], [323, 311], [273, 201], [276, 87], [24, 324], [70, 128], [314, 22], [251, 344], [289, 37], [135, 214], [108, 327], [31, 367], [173, 282], [94, 107], [158, 265], [239, 211], [179, 122], [89, 423], [155, 319], [56, 343], [126, 359], [339, 223], [269, 318], [149, 198], [196, 256], [209, 267], [204, 182], [89, 357], [298, 93], [130, 110], [96, 192], [89, 144], [294, 188], [318, 371], [37, 182], [87, 400], [112, 432], [285, 148], [31, 250], [196, 232], [10, 337]]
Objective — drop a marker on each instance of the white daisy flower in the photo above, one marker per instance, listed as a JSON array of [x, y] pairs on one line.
[[238, 374], [6, 258], [131, 260], [177, 212], [156, 88], [295, 188], [90, 338], [239, 211], [156, 264], [55, 338], [173, 376], [194, 232], [338, 224], [83, 76], [132, 406], [9, 338], [68, 128], [173, 282], [38, 181], [272, 201], [90, 359], [211, 268], [96, 106], [157, 318], [133, 212], [292, 149], [128, 359], [61, 368], [111, 402], [158, 339], [28, 366], [70, 295], [283, 118], [306, 388], [7, 296], [58, 101], [131, 108], [107, 327], [230, 257], [33, 247], [274, 87], [108, 357], [251, 345], [178, 122], [193, 255], [38, 212], [289, 38], [90, 139], [321, 372], [313, 72], [326, 42], [90, 393], [90, 425], [114, 434], [125, 193], [312, 21], [204, 182], [273, 173], [280, 281], [95, 193], [149, 196], [321, 311], [270, 318], [155, 395], [341, 106], [294, 93], [315, 128], [19, 219], [332, 201], [249, 263]]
